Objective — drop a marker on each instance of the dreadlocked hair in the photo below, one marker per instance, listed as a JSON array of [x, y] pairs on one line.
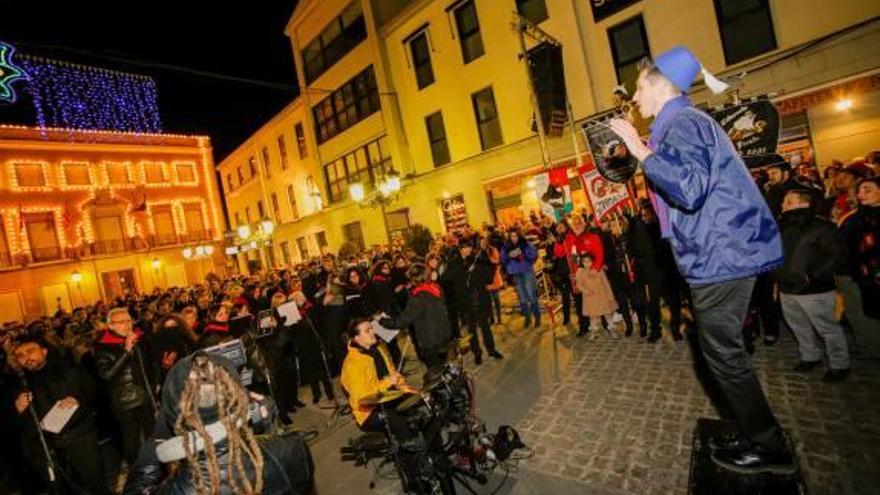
[[232, 406]]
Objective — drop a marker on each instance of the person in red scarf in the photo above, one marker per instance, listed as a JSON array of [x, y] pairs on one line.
[[426, 312], [124, 368], [217, 328], [580, 241]]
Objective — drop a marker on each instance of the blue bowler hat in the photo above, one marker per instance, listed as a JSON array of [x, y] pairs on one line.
[[681, 67]]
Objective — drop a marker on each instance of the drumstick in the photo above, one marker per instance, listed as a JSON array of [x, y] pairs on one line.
[[403, 355]]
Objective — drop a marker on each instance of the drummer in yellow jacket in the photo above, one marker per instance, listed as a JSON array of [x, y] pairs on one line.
[[367, 371]]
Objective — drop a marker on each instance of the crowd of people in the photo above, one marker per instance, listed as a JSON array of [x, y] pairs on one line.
[[110, 359]]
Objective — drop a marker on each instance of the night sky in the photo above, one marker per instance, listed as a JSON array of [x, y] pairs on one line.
[[238, 39]]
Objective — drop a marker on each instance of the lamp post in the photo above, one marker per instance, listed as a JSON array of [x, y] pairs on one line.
[[388, 188]]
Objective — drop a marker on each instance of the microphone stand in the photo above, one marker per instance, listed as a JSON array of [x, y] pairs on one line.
[[50, 463], [339, 411]]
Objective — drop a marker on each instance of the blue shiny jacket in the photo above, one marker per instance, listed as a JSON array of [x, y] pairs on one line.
[[720, 227]]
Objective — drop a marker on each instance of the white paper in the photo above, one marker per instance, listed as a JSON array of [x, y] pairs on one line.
[[290, 312], [56, 419], [384, 333]]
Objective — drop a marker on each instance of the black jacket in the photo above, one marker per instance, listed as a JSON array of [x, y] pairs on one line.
[[127, 375], [58, 379], [814, 252], [480, 273], [454, 280], [380, 296], [427, 313]]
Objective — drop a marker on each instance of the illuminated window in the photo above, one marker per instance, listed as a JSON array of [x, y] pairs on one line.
[[118, 173], [276, 208], [30, 174], [282, 150], [267, 165], [291, 199], [285, 252], [365, 165], [303, 248], [154, 172], [186, 173], [252, 167], [163, 222], [42, 236], [301, 140], [195, 223], [76, 173]]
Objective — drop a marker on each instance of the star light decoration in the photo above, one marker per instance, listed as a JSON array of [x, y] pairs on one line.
[[9, 72]]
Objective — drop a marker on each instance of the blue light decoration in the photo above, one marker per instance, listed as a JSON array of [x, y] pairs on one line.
[[73, 96], [9, 72]]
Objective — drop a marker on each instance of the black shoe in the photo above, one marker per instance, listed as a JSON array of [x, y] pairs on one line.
[[566, 322], [582, 332], [628, 332], [299, 403], [528, 322], [770, 340], [676, 336], [729, 441], [805, 366], [316, 399], [834, 376], [653, 338], [755, 460], [537, 322], [496, 355], [478, 359], [643, 333]]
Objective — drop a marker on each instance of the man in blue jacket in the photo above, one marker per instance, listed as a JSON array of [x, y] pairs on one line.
[[722, 234]]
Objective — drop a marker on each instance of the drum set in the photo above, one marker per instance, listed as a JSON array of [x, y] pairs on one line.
[[446, 441]]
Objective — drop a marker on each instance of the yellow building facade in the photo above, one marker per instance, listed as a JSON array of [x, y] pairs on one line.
[[89, 215], [438, 92]]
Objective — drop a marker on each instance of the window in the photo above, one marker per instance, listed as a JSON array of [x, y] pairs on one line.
[[533, 10], [363, 165], [267, 166], [437, 139], [240, 176], [353, 233], [42, 236], [154, 172], [31, 174], [76, 173], [163, 225], [247, 214], [117, 173], [629, 45], [252, 167], [260, 210], [421, 56], [338, 38], [186, 173], [282, 150], [195, 224], [303, 248], [746, 28], [468, 26], [237, 219], [291, 199], [356, 100], [276, 208], [487, 118], [229, 186], [285, 252], [321, 240], [301, 140]]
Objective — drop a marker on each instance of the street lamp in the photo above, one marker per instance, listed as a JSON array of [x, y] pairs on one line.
[[76, 277], [244, 231], [156, 263], [187, 253], [356, 191], [267, 225]]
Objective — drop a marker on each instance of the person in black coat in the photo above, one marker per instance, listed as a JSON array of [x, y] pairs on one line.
[[427, 313], [619, 263], [480, 273], [312, 367], [48, 381], [122, 359], [453, 280], [814, 252], [380, 295]]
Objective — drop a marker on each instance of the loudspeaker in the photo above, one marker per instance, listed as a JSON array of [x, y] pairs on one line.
[[548, 77], [707, 478]]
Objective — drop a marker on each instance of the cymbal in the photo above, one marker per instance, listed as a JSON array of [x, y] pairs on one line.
[[409, 402], [381, 398]]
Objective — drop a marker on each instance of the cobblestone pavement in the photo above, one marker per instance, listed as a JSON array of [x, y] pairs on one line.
[[617, 416]]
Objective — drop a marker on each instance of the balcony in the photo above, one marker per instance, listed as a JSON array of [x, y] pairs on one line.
[[5, 260], [40, 255], [198, 235], [110, 246], [164, 239]]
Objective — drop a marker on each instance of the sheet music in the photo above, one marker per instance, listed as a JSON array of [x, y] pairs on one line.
[[384, 333], [290, 312], [56, 419]]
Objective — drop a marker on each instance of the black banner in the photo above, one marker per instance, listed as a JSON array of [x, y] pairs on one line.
[[612, 158], [605, 8], [754, 129]]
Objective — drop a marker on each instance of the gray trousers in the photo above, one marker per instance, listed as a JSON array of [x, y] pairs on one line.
[[866, 330], [721, 312], [811, 318]]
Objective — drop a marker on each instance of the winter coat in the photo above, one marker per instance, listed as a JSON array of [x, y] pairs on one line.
[[380, 296], [127, 375], [481, 273], [584, 243], [426, 311], [861, 231], [719, 225], [454, 280], [287, 462], [361, 377], [518, 258], [556, 264], [814, 252], [596, 294]]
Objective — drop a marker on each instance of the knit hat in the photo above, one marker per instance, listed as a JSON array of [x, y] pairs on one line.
[[681, 67]]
